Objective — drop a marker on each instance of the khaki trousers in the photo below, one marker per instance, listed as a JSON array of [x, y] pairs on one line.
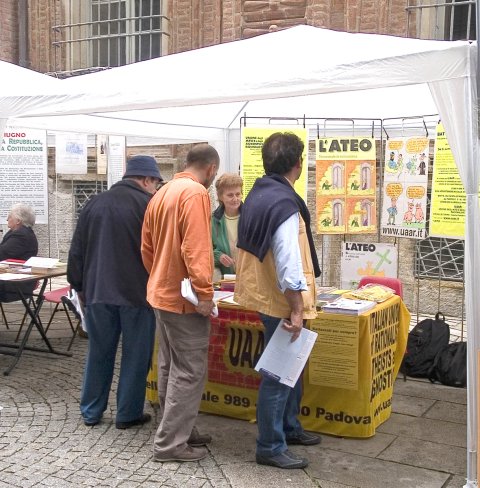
[[182, 371]]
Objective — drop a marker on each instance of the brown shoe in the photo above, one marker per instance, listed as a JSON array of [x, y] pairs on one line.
[[189, 454], [198, 440]]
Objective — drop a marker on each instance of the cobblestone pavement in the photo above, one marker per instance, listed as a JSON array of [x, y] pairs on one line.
[[43, 441]]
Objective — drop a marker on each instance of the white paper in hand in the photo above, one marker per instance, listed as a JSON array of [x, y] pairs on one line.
[[189, 294], [283, 360]]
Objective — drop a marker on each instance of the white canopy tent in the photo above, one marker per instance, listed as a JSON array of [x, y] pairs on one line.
[[200, 95]]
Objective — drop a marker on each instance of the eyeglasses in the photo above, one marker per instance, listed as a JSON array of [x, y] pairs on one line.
[[160, 184]]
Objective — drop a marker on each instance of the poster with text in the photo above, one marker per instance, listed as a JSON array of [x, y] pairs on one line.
[[405, 184], [71, 153], [251, 155], [116, 159], [448, 200], [366, 259], [345, 185], [23, 171], [101, 146]]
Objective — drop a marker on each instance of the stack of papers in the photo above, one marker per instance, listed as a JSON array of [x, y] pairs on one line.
[[349, 306]]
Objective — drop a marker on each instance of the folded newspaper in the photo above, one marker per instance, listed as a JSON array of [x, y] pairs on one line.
[[189, 294]]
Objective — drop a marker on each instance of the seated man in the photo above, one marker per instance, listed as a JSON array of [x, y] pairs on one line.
[[19, 242]]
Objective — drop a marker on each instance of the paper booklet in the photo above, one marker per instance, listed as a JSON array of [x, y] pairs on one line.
[[189, 294], [283, 360], [348, 306]]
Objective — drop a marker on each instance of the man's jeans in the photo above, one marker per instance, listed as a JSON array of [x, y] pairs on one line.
[[278, 406], [105, 323]]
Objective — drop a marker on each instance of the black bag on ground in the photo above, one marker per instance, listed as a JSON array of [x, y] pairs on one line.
[[424, 342], [450, 365]]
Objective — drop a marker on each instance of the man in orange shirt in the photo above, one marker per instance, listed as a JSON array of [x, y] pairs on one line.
[[177, 244]]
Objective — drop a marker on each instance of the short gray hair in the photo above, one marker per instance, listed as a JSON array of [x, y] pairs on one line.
[[24, 213]]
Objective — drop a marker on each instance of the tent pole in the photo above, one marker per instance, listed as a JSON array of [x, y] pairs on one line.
[[472, 403]]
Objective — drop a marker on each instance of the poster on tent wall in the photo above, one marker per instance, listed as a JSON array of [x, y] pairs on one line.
[[345, 185], [23, 171], [448, 200], [405, 179], [71, 153], [116, 159], [366, 259], [251, 155], [101, 144]]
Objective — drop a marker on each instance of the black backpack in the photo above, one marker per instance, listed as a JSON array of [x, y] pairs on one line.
[[450, 365], [424, 342]]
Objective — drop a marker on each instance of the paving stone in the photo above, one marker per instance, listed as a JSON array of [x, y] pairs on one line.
[[411, 405], [450, 412], [440, 457], [363, 472], [371, 447], [426, 429], [422, 388]]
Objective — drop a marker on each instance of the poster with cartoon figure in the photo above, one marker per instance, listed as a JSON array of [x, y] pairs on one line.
[[405, 187], [345, 185]]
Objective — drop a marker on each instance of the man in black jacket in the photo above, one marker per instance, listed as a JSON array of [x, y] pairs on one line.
[[105, 268]]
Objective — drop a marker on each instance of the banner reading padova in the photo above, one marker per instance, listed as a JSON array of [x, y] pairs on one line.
[[405, 187], [251, 156], [448, 200], [345, 185], [23, 171]]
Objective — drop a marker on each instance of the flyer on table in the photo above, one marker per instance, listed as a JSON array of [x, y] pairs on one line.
[[405, 179], [345, 185], [251, 155]]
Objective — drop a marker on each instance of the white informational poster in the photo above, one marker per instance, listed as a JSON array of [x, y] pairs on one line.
[[366, 259], [102, 148], [116, 159], [71, 153], [405, 187], [23, 171]]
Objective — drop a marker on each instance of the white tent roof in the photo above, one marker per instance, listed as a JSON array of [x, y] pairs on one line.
[[199, 95]]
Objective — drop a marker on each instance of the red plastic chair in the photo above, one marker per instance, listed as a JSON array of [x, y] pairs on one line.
[[393, 283], [55, 296]]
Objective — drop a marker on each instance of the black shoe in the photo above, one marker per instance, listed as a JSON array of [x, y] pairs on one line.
[[91, 423], [304, 439], [198, 440], [285, 460], [146, 417]]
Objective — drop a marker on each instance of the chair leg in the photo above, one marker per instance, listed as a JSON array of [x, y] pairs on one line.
[[51, 317], [74, 335], [4, 317], [65, 309], [22, 323]]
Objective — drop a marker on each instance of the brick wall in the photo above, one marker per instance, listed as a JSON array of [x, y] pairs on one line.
[[9, 31], [42, 16]]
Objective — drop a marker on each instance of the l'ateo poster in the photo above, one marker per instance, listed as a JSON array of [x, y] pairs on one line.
[[251, 155], [405, 188], [448, 200], [23, 171], [345, 185], [366, 259]]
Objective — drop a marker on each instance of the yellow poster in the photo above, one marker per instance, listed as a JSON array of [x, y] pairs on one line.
[[345, 185], [334, 358], [353, 403], [251, 155], [447, 208]]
